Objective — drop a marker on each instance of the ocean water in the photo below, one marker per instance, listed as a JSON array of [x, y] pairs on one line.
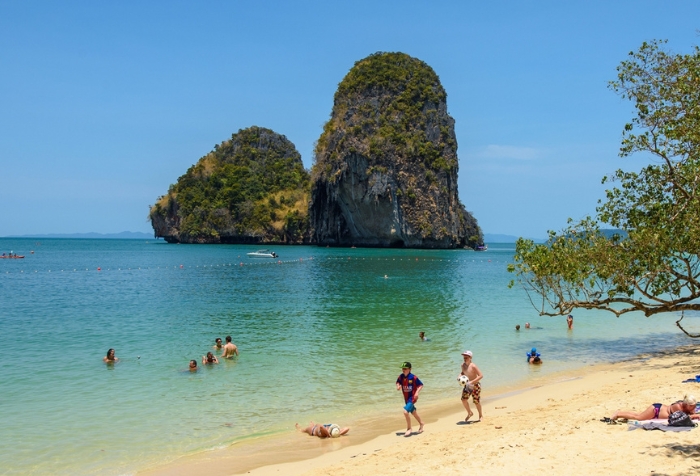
[[321, 333]]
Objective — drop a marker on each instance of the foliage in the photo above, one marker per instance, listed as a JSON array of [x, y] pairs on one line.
[[387, 105], [656, 268], [228, 192]]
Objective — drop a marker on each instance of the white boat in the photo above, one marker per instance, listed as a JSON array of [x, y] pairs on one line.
[[263, 254]]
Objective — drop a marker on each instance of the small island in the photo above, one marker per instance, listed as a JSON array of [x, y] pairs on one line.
[[384, 174]]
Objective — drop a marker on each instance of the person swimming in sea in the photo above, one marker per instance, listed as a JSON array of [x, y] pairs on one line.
[[209, 359], [110, 358]]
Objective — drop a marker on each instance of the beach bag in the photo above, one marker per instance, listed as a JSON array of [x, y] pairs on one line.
[[680, 418]]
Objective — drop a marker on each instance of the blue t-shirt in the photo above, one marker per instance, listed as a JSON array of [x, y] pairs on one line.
[[409, 384]]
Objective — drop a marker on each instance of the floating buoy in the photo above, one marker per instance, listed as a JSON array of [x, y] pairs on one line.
[[99, 269], [181, 266]]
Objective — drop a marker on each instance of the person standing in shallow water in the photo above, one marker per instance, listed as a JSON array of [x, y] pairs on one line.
[[570, 321], [230, 349]]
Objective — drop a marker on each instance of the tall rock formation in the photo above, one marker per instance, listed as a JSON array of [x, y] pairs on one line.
[[385, 171], [252, 188]]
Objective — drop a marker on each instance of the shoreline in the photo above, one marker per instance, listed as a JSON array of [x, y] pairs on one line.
[[511, 416]]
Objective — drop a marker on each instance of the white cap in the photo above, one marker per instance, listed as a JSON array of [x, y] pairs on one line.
[[467, 352]]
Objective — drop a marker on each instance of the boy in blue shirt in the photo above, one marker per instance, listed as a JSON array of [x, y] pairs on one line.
[[411, 386]]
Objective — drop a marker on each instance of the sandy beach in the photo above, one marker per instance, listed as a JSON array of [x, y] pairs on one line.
[[554, 428]]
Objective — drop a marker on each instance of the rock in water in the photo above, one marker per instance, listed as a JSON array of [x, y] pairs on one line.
[[385, 171], [250, 189]]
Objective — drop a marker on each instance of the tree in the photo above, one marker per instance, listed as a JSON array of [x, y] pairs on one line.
[[653, 266]]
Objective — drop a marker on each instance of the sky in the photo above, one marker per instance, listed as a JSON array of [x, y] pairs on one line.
[[103, 105]]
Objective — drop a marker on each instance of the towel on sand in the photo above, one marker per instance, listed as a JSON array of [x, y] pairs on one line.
[[657, 424]]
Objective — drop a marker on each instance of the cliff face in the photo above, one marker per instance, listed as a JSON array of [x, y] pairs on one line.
[[385, 171], [250, 189]]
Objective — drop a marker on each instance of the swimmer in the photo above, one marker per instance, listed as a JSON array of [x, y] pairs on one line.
[[209, 359], [193, 365], [110, 357], [421, 336], [217, 344], [570, 321], [517, 327], [322, 431], [527, 325], [230, 349]]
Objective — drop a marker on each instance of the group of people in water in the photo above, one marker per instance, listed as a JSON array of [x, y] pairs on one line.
[[228, 351]]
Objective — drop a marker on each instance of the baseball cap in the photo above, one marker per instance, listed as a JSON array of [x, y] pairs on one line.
[[406, 365], [467, 352]]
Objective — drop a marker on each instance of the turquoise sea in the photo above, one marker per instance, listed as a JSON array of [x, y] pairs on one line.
[[321, 332]]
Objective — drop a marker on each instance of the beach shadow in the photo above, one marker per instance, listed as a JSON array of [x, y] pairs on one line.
[[470, 422], [403, 433], [686, 451]]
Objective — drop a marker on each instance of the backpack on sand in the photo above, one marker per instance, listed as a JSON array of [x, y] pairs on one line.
[[680, 418]]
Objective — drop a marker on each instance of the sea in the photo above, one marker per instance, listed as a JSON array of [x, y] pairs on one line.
[[322, 334]]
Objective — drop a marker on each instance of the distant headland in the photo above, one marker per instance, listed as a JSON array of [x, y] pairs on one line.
[[124, 235]]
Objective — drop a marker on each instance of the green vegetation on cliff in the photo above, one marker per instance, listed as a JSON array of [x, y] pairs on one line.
[[390, 148], [252, 188], [388, 105]]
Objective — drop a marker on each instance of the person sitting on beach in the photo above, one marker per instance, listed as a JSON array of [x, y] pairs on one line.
[[230, 349], [193, 365], [570, 321], [660, 411], [209, 359], [110, 358], [532, 355], [323, 431], [217, 344]]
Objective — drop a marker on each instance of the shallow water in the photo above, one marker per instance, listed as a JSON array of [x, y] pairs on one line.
[[322, 334]]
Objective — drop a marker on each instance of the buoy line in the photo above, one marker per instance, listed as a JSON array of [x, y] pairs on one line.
[[101, 269]]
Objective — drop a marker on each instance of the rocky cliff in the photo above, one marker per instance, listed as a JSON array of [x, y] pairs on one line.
[[252, 188], [385, 171]]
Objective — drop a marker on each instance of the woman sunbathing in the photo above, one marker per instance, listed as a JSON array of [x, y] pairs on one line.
[[322, 431], [657, 410]]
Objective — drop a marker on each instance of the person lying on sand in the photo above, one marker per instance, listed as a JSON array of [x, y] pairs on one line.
[[323, 431], [660, 411]]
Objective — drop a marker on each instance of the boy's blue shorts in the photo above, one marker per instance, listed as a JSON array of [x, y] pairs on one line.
[[410, 407]]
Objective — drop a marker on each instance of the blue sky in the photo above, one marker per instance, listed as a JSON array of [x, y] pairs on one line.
[[103, 105]]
